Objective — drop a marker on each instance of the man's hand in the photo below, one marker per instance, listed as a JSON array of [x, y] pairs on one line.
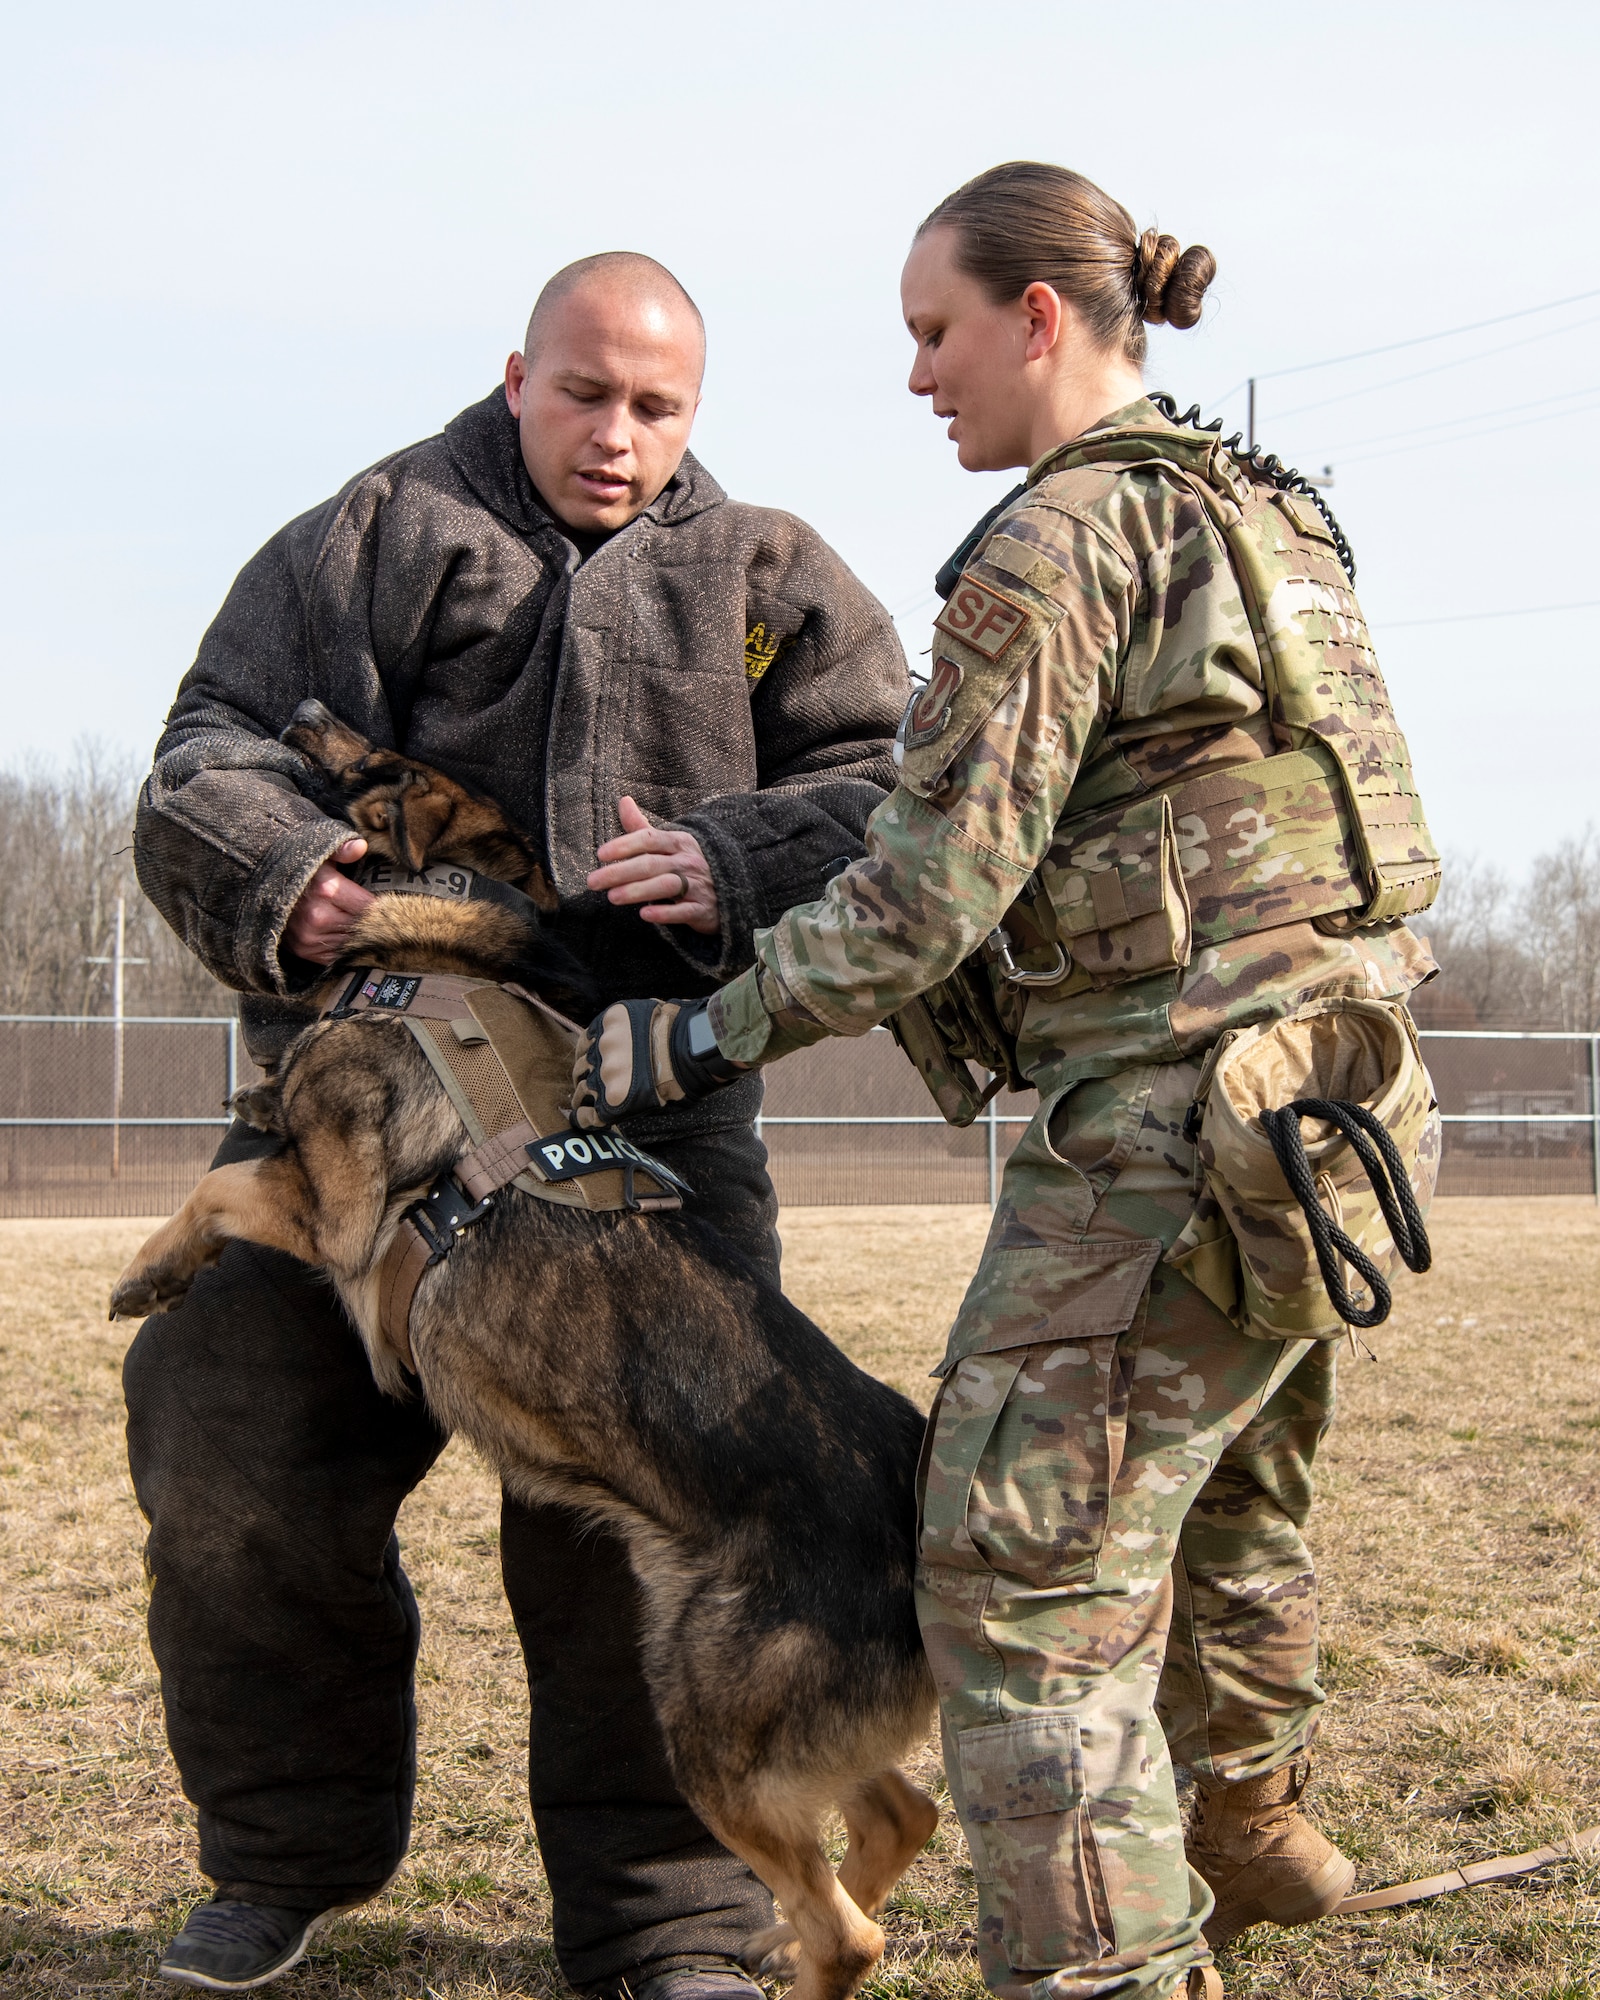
[[640, 1055], [320, 923], [660, 867]]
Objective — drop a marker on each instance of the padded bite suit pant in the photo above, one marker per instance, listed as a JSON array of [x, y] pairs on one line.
[[1116, 1481], [271, 1471]]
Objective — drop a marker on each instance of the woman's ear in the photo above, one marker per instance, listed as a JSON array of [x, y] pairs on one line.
[[1044, 315]]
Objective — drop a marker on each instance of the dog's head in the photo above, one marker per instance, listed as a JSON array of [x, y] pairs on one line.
[[409, 812]]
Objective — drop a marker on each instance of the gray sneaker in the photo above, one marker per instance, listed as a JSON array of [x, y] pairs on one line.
[[227, 1947]]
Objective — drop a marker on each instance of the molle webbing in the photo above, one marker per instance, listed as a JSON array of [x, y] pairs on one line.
[[505, 1060], [1323, 683], [1137, 887]]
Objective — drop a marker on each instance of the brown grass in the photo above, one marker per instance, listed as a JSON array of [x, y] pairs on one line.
[[1456, 1533]]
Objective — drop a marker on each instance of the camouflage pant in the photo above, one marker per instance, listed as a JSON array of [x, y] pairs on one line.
[[1116, 1483]]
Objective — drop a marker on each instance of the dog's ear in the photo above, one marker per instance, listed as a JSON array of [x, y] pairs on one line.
[[259, 1105], [417, 817]]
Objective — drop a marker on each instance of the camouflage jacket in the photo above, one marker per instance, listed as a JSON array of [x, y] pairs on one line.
[[1140, 669]]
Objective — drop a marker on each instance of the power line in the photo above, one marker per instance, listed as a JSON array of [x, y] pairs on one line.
[[1468, 418], [1469, 435], [1472, 617], [1438, 368], [1422, 339]]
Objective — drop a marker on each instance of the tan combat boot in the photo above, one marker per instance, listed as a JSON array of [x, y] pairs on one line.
[[1266, 1863]]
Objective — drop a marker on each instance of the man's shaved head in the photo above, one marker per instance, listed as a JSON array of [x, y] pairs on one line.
[[626, 277], [605, 389]]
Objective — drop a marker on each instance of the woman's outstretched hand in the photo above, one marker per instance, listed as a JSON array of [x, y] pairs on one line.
[[640, 1055]]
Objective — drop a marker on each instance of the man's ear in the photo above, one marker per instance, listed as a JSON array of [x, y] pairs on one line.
[[516, 375]]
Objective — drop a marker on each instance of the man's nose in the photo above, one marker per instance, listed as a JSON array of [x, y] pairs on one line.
[[612, 432]]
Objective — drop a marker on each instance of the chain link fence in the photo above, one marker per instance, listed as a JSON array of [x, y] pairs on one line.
[[102, 1118]]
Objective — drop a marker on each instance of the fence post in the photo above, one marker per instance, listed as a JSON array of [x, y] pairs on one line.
[[233, 1057], [1594, 1106], [994, 1149]]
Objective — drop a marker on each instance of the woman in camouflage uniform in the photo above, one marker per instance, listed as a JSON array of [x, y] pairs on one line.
[[1118, 1472]]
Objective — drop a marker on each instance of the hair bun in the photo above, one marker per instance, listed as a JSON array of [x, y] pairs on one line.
[[1170, 282]]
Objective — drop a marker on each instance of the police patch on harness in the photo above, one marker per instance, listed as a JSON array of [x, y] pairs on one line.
[[981, 618], [566, 1157]]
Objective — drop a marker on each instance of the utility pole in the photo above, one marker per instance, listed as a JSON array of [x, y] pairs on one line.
[[1250, 418], [118, 960]]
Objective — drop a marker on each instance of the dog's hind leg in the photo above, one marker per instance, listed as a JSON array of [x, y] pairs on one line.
[[838, 1946], [889, 1822]]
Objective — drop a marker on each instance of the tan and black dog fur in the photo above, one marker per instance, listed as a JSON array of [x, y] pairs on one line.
[[633, 1367]]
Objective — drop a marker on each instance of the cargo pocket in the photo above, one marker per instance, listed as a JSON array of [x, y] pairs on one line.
[[1034, 1851], [1028, 1431], [1040, 1491]]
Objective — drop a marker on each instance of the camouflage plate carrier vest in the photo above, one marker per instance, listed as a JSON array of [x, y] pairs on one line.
[[1330, 829]]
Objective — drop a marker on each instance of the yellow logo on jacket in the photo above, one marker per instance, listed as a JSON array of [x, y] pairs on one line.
[[761, 648]]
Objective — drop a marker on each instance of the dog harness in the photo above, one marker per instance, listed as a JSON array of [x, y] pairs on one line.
[[504, 1058]]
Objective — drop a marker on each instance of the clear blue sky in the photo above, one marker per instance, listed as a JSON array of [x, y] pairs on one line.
[[248, 250]]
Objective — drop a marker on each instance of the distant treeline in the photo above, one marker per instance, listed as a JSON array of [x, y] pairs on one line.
[[1515, 955], [66, 855]]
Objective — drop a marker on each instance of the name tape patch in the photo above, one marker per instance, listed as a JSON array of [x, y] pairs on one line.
[[565, 1157], [393, 878], [981, 618], [390, 990]]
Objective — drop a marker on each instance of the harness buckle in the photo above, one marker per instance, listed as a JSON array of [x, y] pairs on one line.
[[443, 1215]]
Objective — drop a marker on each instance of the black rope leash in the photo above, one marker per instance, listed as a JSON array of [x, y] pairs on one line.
[[1380, 1157]]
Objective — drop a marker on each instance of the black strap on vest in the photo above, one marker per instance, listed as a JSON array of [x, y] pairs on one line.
[[1380, 1156], [950, 574]]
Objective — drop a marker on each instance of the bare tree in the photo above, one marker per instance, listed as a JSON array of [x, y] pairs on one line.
[[65, 857], [1518, 956], [1563, 909]]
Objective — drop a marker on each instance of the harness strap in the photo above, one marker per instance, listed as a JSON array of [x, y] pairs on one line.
[[408, 1256], [429, 1230], [487, 1168], [1503, 1868], [503, 1056]]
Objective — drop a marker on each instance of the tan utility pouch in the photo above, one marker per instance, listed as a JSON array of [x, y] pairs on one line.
[[1248, 1245]]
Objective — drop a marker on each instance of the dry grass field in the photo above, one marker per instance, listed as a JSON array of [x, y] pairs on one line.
[[1456, 1530]]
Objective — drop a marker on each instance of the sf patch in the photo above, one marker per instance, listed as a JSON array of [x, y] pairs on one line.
[[930, 709], [981, 618]]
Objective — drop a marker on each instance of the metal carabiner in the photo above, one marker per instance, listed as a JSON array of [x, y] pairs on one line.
[[1014, 975]]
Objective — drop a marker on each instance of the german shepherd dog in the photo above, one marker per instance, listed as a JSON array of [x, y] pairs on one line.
[[633, 1367]]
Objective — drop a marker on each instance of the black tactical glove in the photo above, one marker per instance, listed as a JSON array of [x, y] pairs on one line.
[[642, 1054]]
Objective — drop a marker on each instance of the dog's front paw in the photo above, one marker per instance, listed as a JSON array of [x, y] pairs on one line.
[[772, 1954], [143, 1290]]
